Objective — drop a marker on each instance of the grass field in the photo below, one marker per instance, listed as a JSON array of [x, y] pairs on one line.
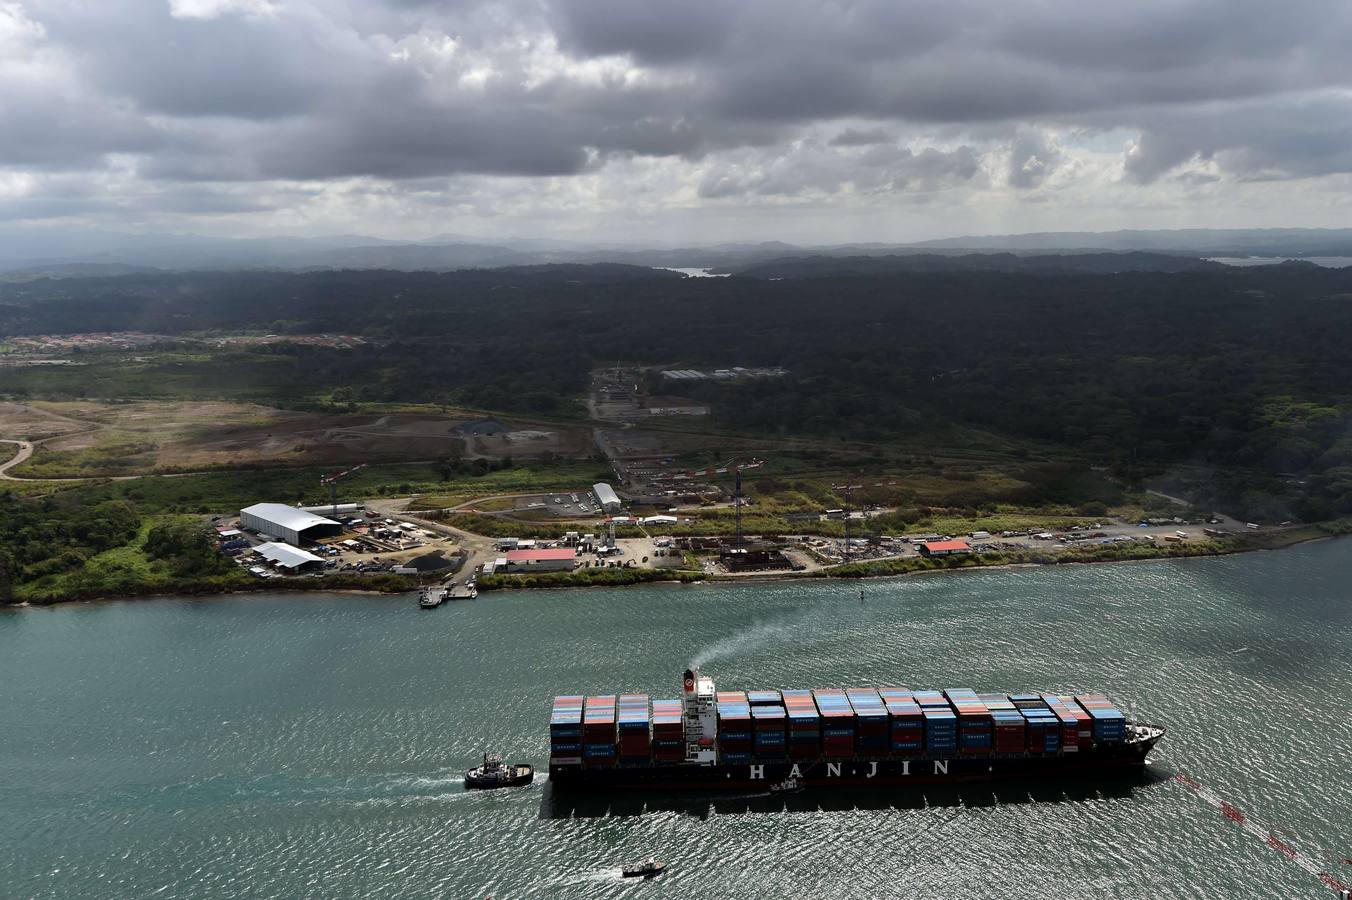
[[96, 438], [226, 492]]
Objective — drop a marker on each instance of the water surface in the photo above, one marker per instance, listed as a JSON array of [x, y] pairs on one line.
[[310, 746]]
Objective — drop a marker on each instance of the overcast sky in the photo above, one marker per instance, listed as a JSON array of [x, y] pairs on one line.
[[674, 120]]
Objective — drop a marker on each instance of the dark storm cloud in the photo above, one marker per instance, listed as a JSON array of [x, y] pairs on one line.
[[862, 137], [195, 91], [1278, 138]]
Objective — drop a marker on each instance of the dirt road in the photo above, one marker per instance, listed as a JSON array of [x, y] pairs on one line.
[[25, 451]]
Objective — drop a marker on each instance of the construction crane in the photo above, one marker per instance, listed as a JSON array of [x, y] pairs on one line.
[[737, 505], [332, 482], [845, 491]]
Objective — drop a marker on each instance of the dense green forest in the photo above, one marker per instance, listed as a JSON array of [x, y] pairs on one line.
[[1230, 384]]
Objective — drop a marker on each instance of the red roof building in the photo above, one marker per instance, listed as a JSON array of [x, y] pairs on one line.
[[526, 556], [945, 548], [558, 559]]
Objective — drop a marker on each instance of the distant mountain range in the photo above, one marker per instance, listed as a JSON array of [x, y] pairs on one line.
[[818, 266], [27, 255], [1190, 241]]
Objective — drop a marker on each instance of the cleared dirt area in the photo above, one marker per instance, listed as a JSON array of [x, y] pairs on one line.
[[156, 435], [19, 421]]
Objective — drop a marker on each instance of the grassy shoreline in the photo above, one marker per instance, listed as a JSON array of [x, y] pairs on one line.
[[390, 584]]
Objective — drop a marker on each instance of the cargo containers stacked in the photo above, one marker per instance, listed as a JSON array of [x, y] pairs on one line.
[[630, 731], [837, 723], [1083, 721], [805, 725], [1009, 731], [933, 699], [1042, 725], [1110, 725], [565, 731], [1006, 724], [598, 731], [769, 741], [975, 736], [734, 727], [941, 730], [635, 733], [755, 740], [870, 722], [906, 722], [668, 732], [1069, 717]]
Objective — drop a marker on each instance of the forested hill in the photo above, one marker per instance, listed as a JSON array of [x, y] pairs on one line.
[[1100, 263], [1234, 370]]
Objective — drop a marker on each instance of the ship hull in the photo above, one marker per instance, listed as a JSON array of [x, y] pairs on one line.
[[860, 771]]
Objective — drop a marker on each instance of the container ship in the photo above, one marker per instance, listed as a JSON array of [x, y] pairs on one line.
[[738, 740]]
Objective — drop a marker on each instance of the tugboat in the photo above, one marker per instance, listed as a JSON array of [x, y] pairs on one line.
[[648, 869], [789, 785], [493, 774]]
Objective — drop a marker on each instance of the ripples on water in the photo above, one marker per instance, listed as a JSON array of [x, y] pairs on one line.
[[313, 747]]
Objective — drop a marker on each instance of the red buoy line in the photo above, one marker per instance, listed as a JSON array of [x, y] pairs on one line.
[[1264, 834]]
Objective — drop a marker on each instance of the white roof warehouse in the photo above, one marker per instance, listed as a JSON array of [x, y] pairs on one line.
[[284, 556], [293, 525], [606, 497]]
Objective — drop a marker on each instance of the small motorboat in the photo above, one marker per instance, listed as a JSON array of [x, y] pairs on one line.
[[494, 774], [648, 869]]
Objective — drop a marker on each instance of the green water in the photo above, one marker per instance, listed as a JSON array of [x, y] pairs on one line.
[[285, 746]]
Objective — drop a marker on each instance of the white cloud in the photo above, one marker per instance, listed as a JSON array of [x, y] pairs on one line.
[[211, 9]]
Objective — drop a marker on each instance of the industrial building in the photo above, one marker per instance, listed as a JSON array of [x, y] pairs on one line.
[[606, 497], [944, 548], [284, 556], [558, 559], [658, 520], [295, 526], [341, 509]]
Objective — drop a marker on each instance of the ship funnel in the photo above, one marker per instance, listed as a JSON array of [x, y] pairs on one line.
[[691, 676]]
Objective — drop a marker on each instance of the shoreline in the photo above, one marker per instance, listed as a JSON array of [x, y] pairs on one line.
[[951, 565]]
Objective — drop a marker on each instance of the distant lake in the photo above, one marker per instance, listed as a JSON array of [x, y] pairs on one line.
[[693, 273], [1328, 262]]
